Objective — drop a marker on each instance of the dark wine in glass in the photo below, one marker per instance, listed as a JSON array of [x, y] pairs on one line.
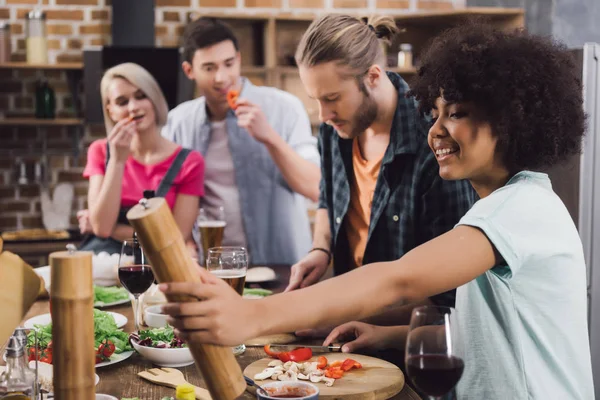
[[432, 360], [435, 374], [135, 273], [136, 278]]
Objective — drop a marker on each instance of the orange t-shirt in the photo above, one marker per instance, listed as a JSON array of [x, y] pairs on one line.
[[362, 190]]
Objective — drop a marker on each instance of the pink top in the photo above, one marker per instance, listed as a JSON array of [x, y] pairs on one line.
[[138, 177]]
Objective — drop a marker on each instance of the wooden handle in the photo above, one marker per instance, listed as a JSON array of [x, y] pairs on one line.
[[201, 393], [72, 312], [19, 288], [163, 243]]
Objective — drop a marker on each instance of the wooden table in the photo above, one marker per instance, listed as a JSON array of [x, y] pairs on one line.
[[121, 380]]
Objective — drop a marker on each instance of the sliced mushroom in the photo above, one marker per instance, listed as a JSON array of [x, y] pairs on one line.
[[275, 363], [318, 372], [276, 375], [303, 377], [309, 367], [315, 378], [287, 365], [328, 381], [288, 376], [294, 368], [266, 374]]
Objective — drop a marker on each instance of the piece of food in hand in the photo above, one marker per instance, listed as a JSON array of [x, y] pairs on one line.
[[232, 98], [296, 355]]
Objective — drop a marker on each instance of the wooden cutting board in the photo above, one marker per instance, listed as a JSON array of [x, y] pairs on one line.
[[376, 380], [280, 338]]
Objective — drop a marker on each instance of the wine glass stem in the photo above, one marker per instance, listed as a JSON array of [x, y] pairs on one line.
[[136, 317]]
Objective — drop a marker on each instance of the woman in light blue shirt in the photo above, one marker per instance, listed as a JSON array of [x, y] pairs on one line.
[[503, 105]]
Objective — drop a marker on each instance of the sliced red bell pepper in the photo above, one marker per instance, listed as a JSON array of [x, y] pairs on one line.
[[322, 362], [349, 363], [334, 372], [334, 364], [270, 352], [297, 355]]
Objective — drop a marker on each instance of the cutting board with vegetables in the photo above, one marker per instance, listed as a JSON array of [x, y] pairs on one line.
[[375, 380]]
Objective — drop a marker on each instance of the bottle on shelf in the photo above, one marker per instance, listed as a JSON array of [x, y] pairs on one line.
[[36, 41], [405, 56], [45, 100]]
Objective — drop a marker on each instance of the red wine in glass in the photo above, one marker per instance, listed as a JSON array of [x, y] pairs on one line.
[[136, 278], [434, 374]]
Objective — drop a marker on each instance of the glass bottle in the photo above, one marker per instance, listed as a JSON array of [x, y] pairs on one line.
[[5, 48], [14, 382], [405, 56], [45, 100], [22, 338], [36, 41]]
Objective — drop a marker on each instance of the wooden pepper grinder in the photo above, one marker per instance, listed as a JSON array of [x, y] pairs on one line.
[[72, 310], [171, 262]]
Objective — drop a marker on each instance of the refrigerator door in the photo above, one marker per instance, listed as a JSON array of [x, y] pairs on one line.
[[589, 199]]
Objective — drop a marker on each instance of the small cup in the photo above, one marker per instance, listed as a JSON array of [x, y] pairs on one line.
[[302, 390]]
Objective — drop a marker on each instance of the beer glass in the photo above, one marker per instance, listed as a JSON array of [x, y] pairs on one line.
[[211, 230], [231, 265]]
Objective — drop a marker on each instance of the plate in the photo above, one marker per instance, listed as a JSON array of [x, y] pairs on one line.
[[115, 358], [45, 319], [114, 303], [260, 274]]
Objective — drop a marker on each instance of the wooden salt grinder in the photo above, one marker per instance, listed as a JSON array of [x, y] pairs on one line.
[[163, 243], [72, 309]]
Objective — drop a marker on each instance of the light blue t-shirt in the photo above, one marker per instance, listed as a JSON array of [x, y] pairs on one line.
[[522, 326]]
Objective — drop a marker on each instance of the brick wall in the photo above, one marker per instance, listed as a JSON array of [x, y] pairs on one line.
[[73, 24]]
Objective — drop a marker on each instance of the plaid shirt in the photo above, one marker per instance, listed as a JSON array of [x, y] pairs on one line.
[[411, 203]]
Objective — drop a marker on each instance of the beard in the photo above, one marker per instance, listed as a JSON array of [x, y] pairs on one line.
[[365, 115]]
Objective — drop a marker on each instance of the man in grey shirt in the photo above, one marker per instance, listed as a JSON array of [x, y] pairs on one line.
[[261, 158]]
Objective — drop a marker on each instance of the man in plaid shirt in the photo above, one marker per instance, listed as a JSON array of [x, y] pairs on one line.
[[381, 194]]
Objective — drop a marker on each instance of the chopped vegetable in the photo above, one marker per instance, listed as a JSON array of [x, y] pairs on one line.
[[162, 338], [232, 97], [322, 362], [107, 295], [105, 330], [297, 355]]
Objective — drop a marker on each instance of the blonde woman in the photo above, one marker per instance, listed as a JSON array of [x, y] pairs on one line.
[[134, 158]]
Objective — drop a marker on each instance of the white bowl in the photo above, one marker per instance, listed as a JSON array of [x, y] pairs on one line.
[[308, 390], [105, 397], [154, 318], [172, 358]]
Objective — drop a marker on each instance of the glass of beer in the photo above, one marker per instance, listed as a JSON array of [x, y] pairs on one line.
[[211, 230], [231, 265]]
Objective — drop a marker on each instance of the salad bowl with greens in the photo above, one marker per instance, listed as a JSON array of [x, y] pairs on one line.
[[160, 346]]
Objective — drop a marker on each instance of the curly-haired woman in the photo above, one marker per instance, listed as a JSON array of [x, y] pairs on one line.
[[504, 105]]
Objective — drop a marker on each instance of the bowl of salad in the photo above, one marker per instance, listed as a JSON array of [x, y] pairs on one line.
[[160, 346]]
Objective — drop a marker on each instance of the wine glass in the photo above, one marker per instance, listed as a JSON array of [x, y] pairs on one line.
[[135, 274], [231, 265], [432, 362], [211, 229]]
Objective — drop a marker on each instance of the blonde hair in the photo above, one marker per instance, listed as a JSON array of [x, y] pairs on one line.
[[143, 80], [346, 40]]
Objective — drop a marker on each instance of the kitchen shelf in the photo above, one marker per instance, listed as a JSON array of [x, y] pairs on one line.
[[41, 122], [57, 66]]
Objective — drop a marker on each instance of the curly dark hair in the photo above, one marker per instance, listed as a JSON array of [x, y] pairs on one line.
[[526, 86]]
